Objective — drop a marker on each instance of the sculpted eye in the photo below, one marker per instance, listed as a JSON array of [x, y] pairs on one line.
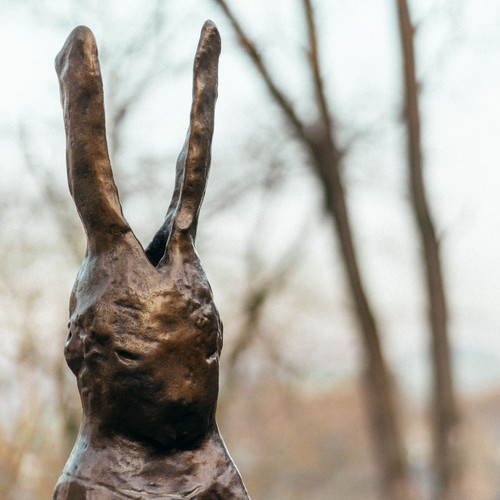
[[127, 355]]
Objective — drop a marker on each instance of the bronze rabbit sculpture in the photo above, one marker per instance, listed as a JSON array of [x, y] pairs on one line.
[[144, 334]]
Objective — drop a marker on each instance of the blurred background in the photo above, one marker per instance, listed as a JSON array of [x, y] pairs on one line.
[[350, 233]]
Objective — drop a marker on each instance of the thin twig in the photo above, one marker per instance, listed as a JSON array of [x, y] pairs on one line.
[[320, 96]]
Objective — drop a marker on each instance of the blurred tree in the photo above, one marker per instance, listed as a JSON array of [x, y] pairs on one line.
[[320, 139], [444, 407]]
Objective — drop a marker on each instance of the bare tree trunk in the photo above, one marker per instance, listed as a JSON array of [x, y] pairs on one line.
[[444, 403], [326, 159], [389, 448]]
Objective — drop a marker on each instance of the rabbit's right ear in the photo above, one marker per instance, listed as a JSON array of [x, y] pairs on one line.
[[90, 177]]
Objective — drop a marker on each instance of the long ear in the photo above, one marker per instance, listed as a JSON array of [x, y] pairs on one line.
[[90, 177], [193, 163], [201, 129]]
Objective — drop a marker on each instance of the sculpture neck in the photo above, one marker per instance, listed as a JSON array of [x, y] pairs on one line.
[[122, 468]]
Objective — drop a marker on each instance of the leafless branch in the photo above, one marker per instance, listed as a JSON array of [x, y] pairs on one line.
[[319, 94], [251, 49]]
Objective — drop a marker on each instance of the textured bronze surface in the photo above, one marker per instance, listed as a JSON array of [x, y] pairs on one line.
[[144, 334]]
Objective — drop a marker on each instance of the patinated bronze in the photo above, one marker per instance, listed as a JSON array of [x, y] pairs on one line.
[[144, 334]]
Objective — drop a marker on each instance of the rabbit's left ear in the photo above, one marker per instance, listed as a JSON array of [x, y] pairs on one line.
[[89, 170], [193, 163], [199, 142]]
